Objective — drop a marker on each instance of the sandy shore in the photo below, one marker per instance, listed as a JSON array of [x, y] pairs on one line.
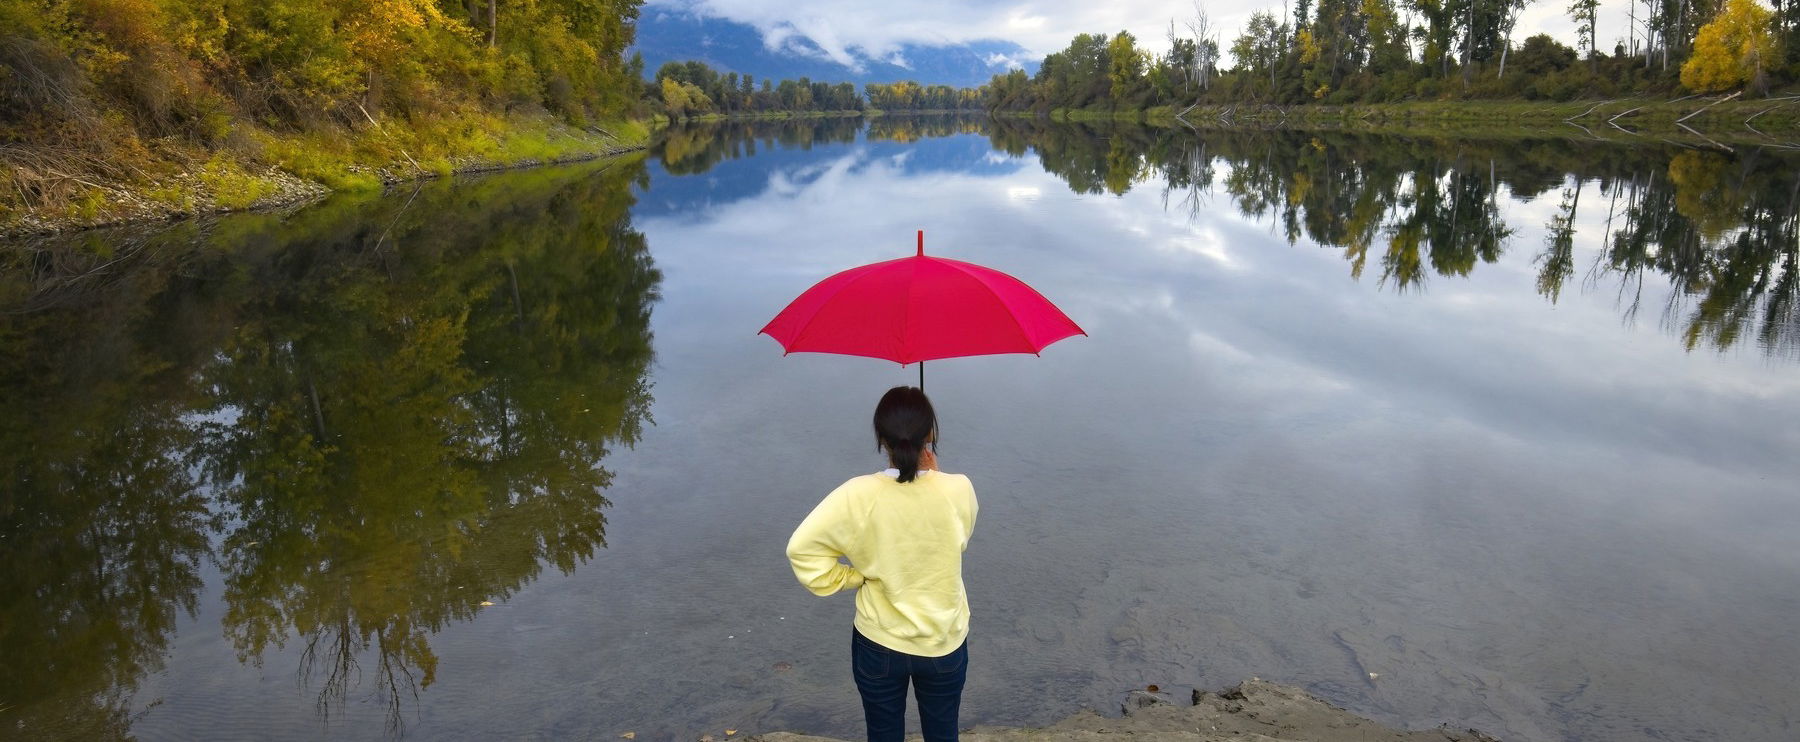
[[1254, 711]]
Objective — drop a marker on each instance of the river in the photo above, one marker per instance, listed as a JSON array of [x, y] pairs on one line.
[[1497, 432]]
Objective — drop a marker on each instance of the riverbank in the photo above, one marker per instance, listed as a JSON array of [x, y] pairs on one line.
[[58, 190], [1253, 711], [1766, 120]]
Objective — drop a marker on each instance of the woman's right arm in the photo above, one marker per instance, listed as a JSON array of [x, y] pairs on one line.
[[816, 545]]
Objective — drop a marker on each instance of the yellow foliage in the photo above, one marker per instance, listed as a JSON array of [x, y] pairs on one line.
[[1309, 46], [1732, 49]]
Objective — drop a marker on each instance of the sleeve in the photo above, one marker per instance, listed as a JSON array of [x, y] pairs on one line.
[[974, 509], [816, 545]]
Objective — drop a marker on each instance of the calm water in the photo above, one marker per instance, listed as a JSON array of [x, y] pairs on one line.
[[1500, 433]]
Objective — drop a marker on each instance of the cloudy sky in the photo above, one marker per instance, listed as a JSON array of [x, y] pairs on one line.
[[1041, 26]]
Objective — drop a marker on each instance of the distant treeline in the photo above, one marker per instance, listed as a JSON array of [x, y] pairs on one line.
[[1334, 52], [682, 89], [1365, 51]]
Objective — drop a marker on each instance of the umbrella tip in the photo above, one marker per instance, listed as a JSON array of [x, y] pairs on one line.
[[921, 243]]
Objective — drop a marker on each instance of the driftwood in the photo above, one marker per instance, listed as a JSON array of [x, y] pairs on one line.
[[1709, 105], [1585, 129], [1590, 110], [1766, 110], [1709, 140], [384, 132]]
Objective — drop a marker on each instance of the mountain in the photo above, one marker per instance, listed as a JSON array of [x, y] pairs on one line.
[[665, 35]]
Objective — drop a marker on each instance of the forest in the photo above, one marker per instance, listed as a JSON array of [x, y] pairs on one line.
[[682, 89], [96, 93], [1377, 51], [1328, 52]]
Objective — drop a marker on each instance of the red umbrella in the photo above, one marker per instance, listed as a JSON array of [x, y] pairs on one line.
[[920, 309]]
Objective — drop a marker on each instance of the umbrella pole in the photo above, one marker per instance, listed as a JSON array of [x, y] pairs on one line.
[[921, 376]]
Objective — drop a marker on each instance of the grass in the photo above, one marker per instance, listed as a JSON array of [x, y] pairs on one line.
[[251, 171], [1773, 116], [1097, 114], [441, 146], [232, 187]]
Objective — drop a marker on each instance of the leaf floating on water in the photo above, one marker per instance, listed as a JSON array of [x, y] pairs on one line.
[[1374, 676], [487, 602], [730, 732], [628, 735], [1153, 689]]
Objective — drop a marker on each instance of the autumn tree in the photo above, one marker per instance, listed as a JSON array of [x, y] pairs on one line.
[[1734, 49]]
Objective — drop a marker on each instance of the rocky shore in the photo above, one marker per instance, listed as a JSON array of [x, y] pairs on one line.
[[1253, 711]]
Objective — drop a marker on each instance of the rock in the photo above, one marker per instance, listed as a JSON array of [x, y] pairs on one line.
[[1139, 699]]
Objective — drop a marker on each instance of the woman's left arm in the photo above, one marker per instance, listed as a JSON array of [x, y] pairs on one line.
[[816, 545]]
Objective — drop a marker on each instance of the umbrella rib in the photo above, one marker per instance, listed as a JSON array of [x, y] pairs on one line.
[[912, 289]]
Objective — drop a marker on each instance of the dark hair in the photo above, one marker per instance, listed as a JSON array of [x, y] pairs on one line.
[[903, 422]]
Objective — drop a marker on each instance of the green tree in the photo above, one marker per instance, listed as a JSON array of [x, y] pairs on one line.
[[1585, 13], [1125, 68]]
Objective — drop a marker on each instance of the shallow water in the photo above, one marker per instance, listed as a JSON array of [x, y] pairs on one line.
[[1498, 433]]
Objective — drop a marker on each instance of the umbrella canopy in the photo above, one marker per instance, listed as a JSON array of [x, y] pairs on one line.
[[920, 308]]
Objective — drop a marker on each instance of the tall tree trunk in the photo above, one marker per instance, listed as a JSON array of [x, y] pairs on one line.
[[1468, 44], [1631, 27], [493, 22], [1509, 21]]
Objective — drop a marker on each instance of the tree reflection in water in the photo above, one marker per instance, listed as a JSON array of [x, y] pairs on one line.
[[1722, 228], [400, 415], [687, 149]]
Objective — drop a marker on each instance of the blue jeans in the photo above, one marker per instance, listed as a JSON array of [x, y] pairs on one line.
[[881, 678]]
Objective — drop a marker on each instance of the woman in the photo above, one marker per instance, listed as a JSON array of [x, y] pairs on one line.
[[904, 531]]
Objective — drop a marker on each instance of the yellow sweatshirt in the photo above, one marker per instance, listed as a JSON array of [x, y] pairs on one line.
[[905, 545]]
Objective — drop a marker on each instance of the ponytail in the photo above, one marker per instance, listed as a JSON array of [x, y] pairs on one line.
[[903, 421], [904, 455]]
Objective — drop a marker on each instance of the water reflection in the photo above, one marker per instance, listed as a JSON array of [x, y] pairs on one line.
[[1515, 512], [319, 441], [1722, 227], [386, 412], [687, 149]]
